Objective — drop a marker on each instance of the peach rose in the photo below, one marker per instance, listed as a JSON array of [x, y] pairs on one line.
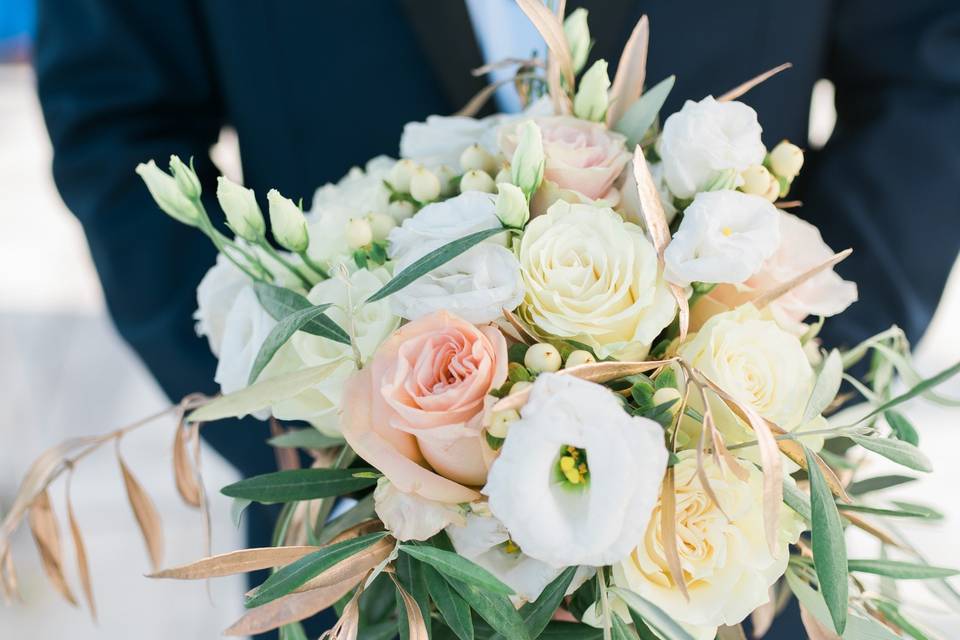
[[801, 248], [414, 412], [581, 156]]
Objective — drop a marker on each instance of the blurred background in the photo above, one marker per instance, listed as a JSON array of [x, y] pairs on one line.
[[64, 372]]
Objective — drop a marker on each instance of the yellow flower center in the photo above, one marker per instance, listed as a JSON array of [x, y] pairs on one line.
[[727, 231], [572, 465]]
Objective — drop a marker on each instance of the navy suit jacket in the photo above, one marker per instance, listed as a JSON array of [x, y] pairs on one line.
[[313, 88]]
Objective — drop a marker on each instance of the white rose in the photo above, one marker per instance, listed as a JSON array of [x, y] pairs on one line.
[[705, 139], [408, 516], [753, 359], [216, 294], [476, 285], [727, 564], [577, 476], [485, 541], [724, 237], [372, 324], [591, 277], [359, 193]]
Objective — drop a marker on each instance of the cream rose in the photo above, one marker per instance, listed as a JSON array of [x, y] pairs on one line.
[[414, 411], [705, 139], [727, 564], [577, 476], [753, 359], [591, 277], [581, 156]]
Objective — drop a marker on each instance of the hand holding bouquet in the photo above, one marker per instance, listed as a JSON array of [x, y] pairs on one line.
[[569, 352]]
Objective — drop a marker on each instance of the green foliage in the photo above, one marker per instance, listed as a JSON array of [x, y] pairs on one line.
[[280, 302], [300, 484], [297, 573], [643, 113], [898, 451], [457, 567], [305, 439], [436, 258], [901, 570], [829, 547]]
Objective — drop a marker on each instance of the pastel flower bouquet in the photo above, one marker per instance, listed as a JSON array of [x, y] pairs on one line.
[[557, 376]]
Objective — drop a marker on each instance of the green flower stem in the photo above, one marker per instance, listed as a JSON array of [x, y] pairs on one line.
[[316, 268], [273, 253], [222, 243]]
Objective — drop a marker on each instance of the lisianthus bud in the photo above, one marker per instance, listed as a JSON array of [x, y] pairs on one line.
[[400, 210], [500, 422], [241, 208], [424, 185], [400, 174], [288, 224], [519, 386], [381, 225], [592, 99], [446, 175], [168, 195], [578, 37], [665, 395], [528, 161], [186, 178], [476, 180], [542, 357], [512, 208], [359, 233], [578, 357], [503, 175], [786, 159], [759, 182], [476, 157]]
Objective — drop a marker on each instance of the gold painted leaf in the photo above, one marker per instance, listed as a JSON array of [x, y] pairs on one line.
[[668, 531], [233, 562], [741, 89], [416, 626], [725, 632], [659, 230], [46, 534], [631, 72], [524, 332], [290, 608], [560, 62], [816, 629], [80, 551], [761, 619], [358, 564], [148, 519], [188, 486], [8, 578]]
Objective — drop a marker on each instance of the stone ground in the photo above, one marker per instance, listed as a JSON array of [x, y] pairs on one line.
[[64, 372]]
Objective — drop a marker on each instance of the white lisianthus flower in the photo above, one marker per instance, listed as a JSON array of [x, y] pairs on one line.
[[358, 194], [724, 236], [577, 476], [705, 139], [475, 285], [372, 324], [485, 541], [591, 277], [247, 326], [727, 564], [408, 516], [215, 296], [752, 358], [441, 140]]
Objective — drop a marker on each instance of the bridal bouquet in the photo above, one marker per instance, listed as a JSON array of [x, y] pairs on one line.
[[560, 379]]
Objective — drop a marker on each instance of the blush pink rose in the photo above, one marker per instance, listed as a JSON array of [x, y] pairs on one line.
[[581, 156], [415, 411], [801, 248]]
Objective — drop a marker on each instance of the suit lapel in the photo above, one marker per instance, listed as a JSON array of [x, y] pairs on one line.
[[446, 36]]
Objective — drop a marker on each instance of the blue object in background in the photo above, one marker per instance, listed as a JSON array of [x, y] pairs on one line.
[[17, 23]]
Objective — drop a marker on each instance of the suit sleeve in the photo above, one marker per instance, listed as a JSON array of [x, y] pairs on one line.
[[888, 181], [121, 83]]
